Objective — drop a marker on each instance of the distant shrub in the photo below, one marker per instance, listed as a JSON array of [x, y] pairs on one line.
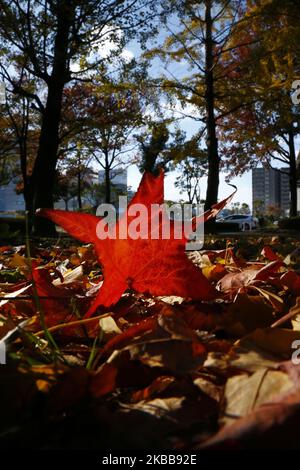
[[290, 223], [13, 224], [220, 227], [4, 229]]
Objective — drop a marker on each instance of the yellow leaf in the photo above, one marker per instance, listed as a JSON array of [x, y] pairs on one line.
[[214, 272], [18, 261]]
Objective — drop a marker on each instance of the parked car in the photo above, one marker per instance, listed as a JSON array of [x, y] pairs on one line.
[[245, 222]]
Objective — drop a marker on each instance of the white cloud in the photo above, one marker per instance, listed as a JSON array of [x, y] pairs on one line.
[[150, 112], [108, 41], [127, 55], [75, 67], [107, 44], [187, 110]]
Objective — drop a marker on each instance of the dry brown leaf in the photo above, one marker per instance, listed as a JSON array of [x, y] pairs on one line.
[[177, 356], [243, 393], [70, 276], [11, 295], [247, 313], [277, 341], [109, 328], [274, 424], [158, 407], [295, 311], [209, 388]]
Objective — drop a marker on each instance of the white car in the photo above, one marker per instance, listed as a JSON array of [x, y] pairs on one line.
[[245, 222]]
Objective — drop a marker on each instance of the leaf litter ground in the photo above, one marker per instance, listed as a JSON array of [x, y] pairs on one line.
[[150, 372]]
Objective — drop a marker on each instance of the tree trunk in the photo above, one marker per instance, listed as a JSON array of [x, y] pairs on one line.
[[79, 200], [43, 176], [212, 143], [26, 187], [23, 150], [293, 175], [107, 185]]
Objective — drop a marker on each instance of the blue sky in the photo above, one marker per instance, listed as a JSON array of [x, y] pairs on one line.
[[244, 193]]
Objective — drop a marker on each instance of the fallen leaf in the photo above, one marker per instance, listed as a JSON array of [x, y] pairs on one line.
[[104, 380], [235, 281], [154, 265], [155, 388], [69, 277], [12, 295], [273, 425], [214, 272], [295, 312], [291, 280], [244, 393], [277, 341], [247, 313], [109, 328], [269, 254]]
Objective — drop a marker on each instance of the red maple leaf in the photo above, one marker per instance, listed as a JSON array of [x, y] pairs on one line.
[[155, 266], [54, 300]]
